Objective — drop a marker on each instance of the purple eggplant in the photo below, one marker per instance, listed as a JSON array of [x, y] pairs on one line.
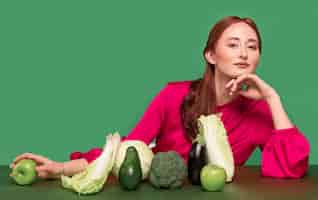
[[197, 160]]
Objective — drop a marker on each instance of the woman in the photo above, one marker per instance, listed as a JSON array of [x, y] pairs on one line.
[[253, 117]]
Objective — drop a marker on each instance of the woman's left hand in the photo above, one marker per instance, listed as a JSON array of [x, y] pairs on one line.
[[256, 87]]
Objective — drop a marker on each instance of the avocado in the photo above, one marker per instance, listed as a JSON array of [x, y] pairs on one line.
[[130, 174]]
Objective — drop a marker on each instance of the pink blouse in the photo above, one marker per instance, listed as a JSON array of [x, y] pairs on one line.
[[249, 125]]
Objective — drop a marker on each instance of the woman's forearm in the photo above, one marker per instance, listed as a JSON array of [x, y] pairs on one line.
[[280, 117], [74, 166]]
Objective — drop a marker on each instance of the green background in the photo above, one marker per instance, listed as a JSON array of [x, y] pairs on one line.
[[73, 71]]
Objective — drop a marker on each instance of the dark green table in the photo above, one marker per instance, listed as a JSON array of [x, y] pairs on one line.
[[248, 184]]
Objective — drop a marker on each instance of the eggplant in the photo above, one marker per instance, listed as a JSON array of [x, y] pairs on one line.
[[197, 160]]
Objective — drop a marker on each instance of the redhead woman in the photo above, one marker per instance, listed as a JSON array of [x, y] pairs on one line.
[[254, 116]]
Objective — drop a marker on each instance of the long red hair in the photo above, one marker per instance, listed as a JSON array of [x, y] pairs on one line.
[[201, 98]]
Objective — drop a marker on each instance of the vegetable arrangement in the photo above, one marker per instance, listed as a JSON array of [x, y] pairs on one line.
[[210, 163]]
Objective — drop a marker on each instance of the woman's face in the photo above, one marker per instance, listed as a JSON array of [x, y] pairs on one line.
[[236, 51]]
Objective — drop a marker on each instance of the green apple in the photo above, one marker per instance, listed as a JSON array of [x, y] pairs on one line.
[[212, 177], [24, 172]]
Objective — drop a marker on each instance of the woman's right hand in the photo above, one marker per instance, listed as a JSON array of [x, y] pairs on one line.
[[46, 168]]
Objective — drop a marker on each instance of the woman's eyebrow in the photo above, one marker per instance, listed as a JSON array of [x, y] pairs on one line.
[[252, 40], [236, 38]]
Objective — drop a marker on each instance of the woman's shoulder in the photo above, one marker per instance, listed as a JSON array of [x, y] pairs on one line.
[[175, 91], [178, 87], [185, 83]]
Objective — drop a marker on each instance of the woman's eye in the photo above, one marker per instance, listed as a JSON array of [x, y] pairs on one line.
[[232, 45], [252, 47]]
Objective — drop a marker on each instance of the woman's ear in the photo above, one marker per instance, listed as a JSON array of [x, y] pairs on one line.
[[209, 56]]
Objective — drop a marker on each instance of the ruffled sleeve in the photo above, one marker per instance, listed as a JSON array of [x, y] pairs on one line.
[[285, 152], [89, 156], [146, 129]]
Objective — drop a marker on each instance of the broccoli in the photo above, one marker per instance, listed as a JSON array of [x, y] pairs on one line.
[[167, 170]]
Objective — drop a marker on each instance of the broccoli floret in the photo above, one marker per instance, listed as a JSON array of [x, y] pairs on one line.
[[167, 170]]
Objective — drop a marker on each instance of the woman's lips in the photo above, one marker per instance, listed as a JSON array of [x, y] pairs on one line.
[[242, 65]]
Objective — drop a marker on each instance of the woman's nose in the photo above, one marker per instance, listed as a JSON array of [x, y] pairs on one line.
[[243, 53]]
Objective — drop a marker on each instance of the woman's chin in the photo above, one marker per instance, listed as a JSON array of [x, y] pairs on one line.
[[240, 72], [236, 74]]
